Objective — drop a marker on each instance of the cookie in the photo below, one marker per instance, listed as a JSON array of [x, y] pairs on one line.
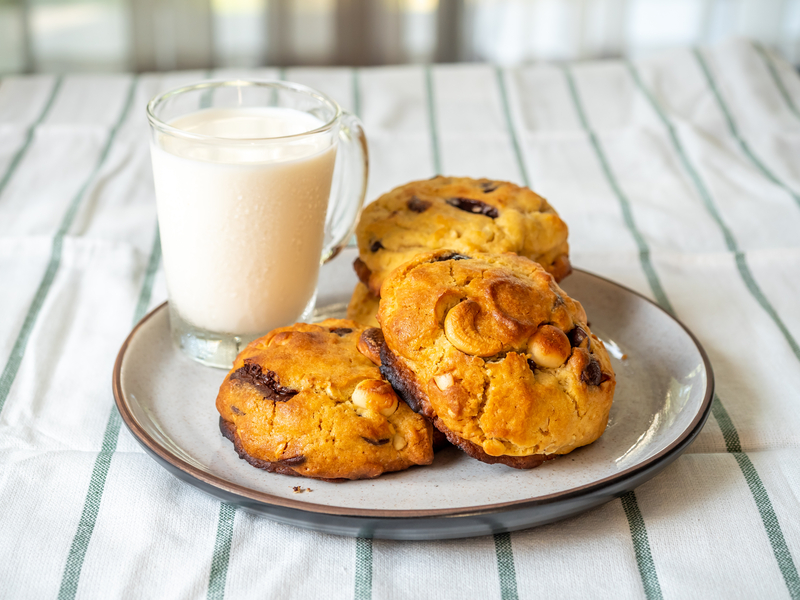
[[494, 352], [363, 306], [461, 214], [303, 400], [370, 344]]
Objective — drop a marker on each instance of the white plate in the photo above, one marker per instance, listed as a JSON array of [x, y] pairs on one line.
[[663, 397]]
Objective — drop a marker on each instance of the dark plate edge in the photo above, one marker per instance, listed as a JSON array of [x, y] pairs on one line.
[[430, 528], [667, 454]]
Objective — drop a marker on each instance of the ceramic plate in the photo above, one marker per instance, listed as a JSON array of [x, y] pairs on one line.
[[663, 397]]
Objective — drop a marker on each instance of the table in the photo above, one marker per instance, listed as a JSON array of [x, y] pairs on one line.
[[679, 176]]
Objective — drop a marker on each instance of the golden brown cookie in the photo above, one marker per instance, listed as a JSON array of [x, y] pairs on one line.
[[461, 214], [303, 400], [497, 354], [363, 306], [370, 344]]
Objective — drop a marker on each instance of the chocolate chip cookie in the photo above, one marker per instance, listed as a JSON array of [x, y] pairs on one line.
[[462, 214], [494, 352], [303, 400]]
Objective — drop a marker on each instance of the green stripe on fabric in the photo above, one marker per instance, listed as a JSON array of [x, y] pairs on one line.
[[705, 196], [770, 64], [274, 95], [149, 278], [698, 183], [735, 131], [502, 541], [755, 290], [641, 546], [207, 96], [17, 158], [94, 495], [761, 497], [353, 242], [503, 550], [222, 544], [437, 161], [18, 350], [222, 552], [363, 580], [72, 210], [641, 244], [356, 93], [505, 566], [501, 84], [729, 433], [91, 506]]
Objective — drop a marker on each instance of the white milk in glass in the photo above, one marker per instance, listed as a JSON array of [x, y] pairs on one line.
[[242, 223]]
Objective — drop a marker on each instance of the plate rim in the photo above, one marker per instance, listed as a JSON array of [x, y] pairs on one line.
[[680, 443]]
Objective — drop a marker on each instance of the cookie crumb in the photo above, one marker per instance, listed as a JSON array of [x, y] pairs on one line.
[[299, 490], [624, 357]]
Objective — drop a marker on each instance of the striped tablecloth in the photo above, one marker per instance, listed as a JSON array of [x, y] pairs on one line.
[[679, 176]]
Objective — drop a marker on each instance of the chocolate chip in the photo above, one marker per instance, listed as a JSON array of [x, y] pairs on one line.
[[417, 205], [375, 442], [236, 410], [473, 206], [592, 374], [266, 383], [576, 337], [292, 461], [531, 364], [376, 245], [340, 331], [451, 256], [362, 270], [489, 186], [405, 387], [369, 344]]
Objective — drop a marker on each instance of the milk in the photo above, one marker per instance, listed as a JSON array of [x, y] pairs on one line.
[[242, 222]]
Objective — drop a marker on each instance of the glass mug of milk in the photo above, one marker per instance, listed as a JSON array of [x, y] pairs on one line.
[[249, 205]]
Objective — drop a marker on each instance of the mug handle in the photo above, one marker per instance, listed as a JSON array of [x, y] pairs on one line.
[[349, 186]]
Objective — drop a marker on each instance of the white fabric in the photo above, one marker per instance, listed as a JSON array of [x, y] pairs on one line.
[[154, 536]]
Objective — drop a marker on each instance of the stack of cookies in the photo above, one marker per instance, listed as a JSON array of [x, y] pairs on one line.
[[457, 329]]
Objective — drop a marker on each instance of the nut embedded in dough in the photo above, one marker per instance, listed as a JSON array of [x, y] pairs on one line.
[[445, 381], [377, 395], [549, 347], [460, 328], [493, 448]]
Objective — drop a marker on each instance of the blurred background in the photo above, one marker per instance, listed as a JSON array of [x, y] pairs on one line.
[[154, 35]]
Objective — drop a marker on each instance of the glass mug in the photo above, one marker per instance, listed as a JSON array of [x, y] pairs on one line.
[[249, 205]]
